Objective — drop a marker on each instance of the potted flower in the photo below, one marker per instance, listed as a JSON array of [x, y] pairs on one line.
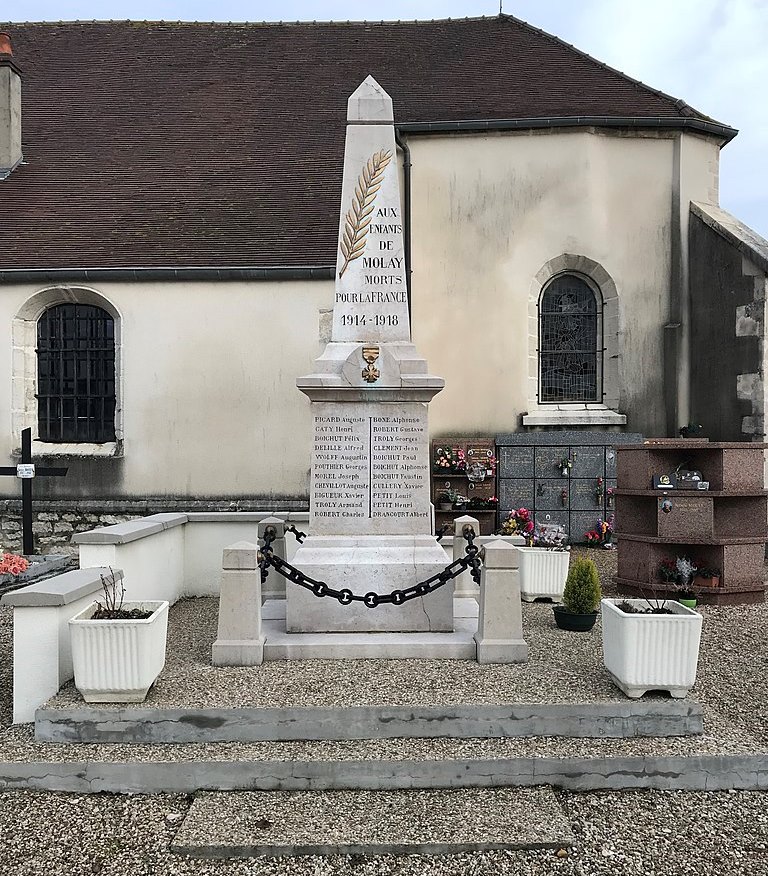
[[651, 644], [707, 577], [445, 500], [118, 647], [459, 502], [581, 597], [686, 596]]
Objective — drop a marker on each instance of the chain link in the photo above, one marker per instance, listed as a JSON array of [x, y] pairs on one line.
[[300, 536], [345, 596]]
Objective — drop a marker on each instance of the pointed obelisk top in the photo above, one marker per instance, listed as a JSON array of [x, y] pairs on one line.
[[370, 104]]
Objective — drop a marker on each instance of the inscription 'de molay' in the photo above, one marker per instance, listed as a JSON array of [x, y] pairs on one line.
[[369, 467]]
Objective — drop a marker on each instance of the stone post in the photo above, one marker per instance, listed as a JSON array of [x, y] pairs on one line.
[[499, 635], [464, 585], [274, 586], [240, 641]]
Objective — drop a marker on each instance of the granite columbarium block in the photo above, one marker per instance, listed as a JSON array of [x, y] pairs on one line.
[[370, 518]]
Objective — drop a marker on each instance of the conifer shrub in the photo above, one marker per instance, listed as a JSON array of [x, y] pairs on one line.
[[582, 593]]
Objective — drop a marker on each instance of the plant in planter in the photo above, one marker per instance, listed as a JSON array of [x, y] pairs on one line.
[[544, 559], [685, 596], [445, 500], [459, 501], [651, 644], [707, 577], [581, 597], [118, 647]]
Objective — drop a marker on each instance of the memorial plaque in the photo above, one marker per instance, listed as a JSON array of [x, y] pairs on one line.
[[588, 462], [560, 518], [584, 495], [548, 493], [370, 470], [547, 461], [516, 462], [515, 493], [610, 462]]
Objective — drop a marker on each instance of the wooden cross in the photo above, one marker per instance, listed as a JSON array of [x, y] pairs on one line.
[[26, 470]]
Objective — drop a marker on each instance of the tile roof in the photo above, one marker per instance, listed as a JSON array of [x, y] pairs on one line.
[[179, 144]]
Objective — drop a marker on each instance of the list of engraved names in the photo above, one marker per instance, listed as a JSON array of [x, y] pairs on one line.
[[370, 466]]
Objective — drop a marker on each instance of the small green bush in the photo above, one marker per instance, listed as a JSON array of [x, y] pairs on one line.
[[582, 593]]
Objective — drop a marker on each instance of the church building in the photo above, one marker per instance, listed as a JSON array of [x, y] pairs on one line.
[[170, 200]]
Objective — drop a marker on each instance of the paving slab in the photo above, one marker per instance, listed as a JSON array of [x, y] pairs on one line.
[[426, 822]]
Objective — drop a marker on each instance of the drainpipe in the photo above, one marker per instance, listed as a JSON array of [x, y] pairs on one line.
[[406, 213]]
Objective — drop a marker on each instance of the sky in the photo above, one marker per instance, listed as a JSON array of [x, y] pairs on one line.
[[710, 53]]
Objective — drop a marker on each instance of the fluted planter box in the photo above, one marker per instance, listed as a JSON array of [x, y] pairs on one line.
[[542, 573], [645, 652], [117, 661]]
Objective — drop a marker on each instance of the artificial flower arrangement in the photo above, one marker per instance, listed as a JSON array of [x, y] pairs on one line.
[[443, 460], [602, 534], [13, 564], [518, 522]]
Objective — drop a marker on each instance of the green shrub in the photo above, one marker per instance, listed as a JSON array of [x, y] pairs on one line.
[[582, 594]]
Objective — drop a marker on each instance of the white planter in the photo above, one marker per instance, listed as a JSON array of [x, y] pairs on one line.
[[542, 573], [645, 652], [117, 661]]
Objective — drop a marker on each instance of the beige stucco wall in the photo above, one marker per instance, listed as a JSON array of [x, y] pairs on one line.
[[489, 212], [208, 370], [209, 399]]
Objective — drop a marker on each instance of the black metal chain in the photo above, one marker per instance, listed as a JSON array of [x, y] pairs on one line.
[[300, 536], [397, 597]]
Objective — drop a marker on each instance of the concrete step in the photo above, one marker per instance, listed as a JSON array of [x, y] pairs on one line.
[[250, 824], [622, 719]]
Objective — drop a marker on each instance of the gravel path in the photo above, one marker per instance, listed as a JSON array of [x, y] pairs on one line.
[[617, 834], [647, 832]]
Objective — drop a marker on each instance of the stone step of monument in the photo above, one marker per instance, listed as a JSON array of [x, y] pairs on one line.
[[90, 769], [457, 645], [418, 822], [621, 719]]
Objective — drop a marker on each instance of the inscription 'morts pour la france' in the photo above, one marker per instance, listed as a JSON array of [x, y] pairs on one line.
[[371, 298]]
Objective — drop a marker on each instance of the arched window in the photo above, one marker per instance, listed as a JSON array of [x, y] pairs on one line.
[[76, 374], [570, 351]]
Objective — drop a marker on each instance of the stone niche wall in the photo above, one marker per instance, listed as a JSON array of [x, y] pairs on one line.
[[55, 521]]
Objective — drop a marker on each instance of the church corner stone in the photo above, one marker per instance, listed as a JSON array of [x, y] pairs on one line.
[[370, 520]]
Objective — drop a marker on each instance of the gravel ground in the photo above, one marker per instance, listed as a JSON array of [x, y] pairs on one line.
[[630, 832], [617, 834]]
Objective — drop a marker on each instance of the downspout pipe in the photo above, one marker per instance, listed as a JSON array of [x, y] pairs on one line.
[[402, 143]]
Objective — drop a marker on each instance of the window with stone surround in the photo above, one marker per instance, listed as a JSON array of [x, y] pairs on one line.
[[570, 351], [573, 345], [67, 373]]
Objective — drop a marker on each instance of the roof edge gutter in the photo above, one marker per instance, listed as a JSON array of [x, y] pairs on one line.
[[723, 131], [148, 274]]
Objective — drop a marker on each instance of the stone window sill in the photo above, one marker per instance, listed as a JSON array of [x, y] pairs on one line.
[[110, 449], [574, 415]]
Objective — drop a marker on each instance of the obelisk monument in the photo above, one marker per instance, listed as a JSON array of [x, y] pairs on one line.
[[369, 495]]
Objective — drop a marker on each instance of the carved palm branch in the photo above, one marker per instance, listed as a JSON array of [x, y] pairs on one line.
[[357, 220]]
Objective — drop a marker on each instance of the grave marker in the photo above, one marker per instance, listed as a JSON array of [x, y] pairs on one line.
[[26, 470]]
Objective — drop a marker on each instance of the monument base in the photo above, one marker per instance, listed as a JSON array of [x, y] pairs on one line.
[[365, 564]]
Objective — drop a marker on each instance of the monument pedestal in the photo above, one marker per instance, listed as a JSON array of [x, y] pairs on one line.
[[369, 564]]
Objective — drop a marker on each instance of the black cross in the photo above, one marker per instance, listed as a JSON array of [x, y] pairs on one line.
[[26, 486]]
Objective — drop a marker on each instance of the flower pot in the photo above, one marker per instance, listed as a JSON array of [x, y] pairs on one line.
[[445, 506], [688, 603], [117, 661], [574, 623], [542, 573], [645, 652], [698, 581]]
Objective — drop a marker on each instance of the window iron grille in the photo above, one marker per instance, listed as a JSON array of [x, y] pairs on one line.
[[76, 374], [569, 356]]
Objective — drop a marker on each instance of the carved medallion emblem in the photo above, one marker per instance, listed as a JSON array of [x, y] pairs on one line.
[[370, 373]]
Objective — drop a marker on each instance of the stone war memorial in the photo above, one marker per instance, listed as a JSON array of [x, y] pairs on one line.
[[370, 520]]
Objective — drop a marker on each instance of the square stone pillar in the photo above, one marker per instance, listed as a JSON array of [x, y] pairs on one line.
[[499, 635], [274, 586], [463, 585], [239, 641]]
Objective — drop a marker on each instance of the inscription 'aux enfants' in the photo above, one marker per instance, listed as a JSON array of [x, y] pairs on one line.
[[371, 233]]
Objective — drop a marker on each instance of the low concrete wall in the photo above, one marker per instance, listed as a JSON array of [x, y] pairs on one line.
[[42, 655]]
